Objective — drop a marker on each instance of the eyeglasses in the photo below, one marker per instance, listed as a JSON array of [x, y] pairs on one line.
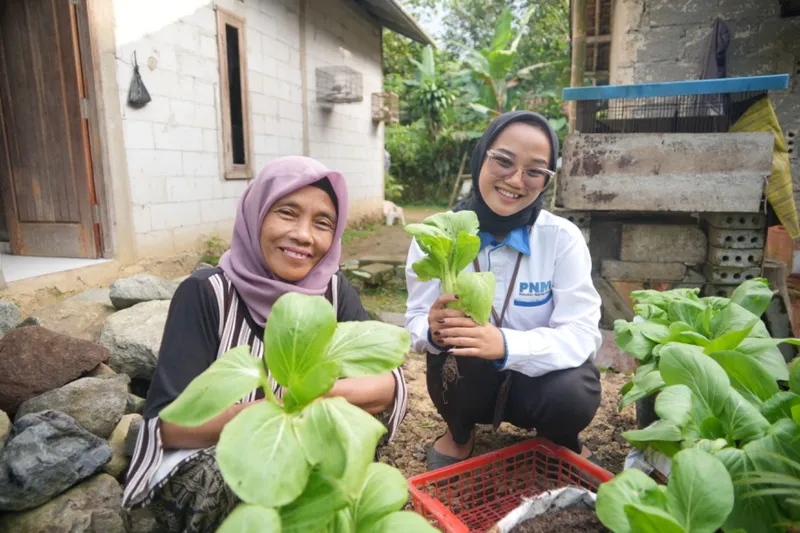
[[504, 167]]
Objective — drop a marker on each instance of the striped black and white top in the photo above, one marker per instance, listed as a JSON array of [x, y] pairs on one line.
[[206, 319]]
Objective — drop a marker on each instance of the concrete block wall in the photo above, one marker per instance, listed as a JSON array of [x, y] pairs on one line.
[[343, 136], [178, 193], [666, 40]]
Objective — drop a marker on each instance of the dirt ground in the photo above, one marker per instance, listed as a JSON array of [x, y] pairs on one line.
[[423, 424], [383, 240]]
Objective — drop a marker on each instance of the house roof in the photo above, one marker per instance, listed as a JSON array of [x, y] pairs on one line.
[[392, 15]]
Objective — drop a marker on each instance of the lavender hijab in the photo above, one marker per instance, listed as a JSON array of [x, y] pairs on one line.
[[244, 263]]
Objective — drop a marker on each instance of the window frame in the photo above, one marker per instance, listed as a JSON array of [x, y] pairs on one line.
[[233, 171]]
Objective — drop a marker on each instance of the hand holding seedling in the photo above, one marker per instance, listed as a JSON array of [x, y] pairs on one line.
[[468, 339]]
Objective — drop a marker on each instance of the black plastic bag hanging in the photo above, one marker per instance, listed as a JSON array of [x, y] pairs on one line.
[[138, 96]]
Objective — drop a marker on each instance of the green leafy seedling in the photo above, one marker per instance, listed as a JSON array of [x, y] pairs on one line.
[[303, 464], [450, 242]]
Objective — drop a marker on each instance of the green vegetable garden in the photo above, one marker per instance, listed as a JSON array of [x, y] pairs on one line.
[[725, 428]]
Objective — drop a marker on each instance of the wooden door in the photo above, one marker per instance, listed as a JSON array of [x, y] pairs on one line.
[[45, 163]]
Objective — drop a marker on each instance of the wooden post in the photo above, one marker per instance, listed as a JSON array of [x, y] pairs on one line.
[[578, 54]]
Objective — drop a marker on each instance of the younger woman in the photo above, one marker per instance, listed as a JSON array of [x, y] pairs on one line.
[[286, 238], [532, 366]]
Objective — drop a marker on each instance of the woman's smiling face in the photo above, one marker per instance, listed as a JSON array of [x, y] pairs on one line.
[[526, 147], [297, 232]]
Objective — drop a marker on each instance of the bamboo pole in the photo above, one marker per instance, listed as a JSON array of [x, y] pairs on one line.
[[578, 54]]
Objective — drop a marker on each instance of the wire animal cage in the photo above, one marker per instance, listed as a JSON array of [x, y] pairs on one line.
[[702, 106], [385, 108], [339, 85]]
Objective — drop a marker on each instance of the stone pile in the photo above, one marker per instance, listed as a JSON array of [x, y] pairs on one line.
[[68, 418]]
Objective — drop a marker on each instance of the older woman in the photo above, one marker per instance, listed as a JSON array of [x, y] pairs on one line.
[[532, 366], [286, 238]]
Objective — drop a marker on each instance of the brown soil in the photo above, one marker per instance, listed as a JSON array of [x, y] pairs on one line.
[[387, 240], [563, 521], [423, 425]]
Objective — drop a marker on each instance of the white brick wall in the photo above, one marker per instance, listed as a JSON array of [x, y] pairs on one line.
[[178, 192]]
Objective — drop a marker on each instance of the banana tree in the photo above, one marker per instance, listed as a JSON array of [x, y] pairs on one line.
[[491, 67], [430, 91]]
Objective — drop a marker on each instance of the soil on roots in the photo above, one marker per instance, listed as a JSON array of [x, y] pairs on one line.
[[563, 521]]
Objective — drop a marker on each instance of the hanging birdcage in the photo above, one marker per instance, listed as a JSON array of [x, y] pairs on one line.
[[385, 108], [339, 85]]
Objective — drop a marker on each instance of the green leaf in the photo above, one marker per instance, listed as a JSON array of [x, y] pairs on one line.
[[651, 312], [643, 386], [251, 519], [682, 364], [754, 295], [384, 491], [674, 404], [368, 348], [700, 491], [731, 339], [313, 384], [342, 522], [780, 406], [796, 414], [451, 224], [767, 352], [465, 250], [645, 519], [257, 455], [711, 428], [631, 338], [316, 506], [734, 318], [629, 487], [749, 514], [742, 421], [794, 376], [401, 522], [297, 332], [229, 379], [685, 310], [341, 438], [502, 30], [427, 268], [476, 295], [711, 446], [660, 435], [747, 375]]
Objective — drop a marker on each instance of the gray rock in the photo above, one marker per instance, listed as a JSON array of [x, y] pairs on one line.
[[133, 337], [93, 295], [143, 521], [119, 462], [9, 317], [78, 319], [202, 265], [5, 428], [99, 371], [135, 404], [133, 434], [97, 404], [94, 506], [46, 454], [378, 273], [140, 288], [30, 321]]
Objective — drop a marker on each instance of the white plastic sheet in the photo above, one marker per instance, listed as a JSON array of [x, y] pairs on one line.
[[562, 498]]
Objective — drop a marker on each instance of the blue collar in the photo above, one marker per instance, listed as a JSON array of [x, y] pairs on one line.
[[516, 239]]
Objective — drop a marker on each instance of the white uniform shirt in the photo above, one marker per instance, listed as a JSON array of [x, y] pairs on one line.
[[552, 318]]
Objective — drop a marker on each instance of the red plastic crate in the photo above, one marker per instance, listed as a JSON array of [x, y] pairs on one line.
[[473, 495]]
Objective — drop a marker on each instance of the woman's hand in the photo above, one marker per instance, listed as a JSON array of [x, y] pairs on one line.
[[440, 316], [471, 340]]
